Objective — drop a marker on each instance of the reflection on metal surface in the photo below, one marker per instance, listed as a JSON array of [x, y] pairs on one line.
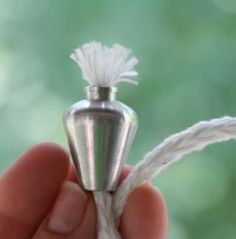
[[100, 132]]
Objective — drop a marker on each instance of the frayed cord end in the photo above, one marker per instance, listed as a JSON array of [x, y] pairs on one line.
[[103, 66]]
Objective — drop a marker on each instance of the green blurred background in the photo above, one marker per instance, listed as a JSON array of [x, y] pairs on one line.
[[187, 54]]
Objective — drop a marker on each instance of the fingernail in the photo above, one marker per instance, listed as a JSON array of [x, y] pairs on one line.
[[68, 210]]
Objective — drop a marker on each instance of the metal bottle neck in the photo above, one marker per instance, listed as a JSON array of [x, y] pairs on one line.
[[100, 93]]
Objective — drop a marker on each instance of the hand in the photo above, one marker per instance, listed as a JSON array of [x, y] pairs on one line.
[[40, 199]]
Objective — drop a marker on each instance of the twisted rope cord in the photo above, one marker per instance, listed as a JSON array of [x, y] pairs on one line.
[[106, 226], [169, 151]]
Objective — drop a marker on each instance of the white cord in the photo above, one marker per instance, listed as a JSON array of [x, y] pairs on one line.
[[106, 226], [170, 150]]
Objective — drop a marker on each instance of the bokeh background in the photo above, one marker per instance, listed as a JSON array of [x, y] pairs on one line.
[[187, 55]]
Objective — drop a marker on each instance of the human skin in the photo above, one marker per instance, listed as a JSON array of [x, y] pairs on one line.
[[40, 198]]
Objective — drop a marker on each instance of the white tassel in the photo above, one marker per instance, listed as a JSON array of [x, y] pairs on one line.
[[103, 66]]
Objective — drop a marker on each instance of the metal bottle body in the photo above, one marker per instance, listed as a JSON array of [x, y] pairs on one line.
[[100, 131]]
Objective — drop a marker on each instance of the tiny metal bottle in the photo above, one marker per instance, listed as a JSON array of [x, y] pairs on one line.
[[100, 130]]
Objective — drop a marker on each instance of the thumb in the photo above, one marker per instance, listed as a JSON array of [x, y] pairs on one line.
[[72, 215]]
